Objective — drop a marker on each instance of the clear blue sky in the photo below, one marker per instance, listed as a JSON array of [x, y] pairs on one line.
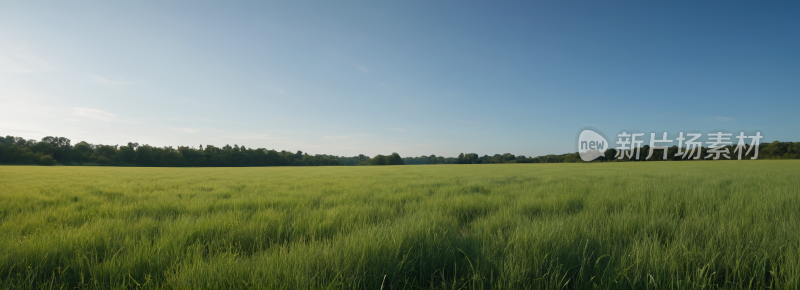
[[413, 77]]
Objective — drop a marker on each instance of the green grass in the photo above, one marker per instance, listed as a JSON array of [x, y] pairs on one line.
[[647, 225]]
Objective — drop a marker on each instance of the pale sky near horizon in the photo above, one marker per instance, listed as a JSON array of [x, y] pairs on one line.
[[413, 77]]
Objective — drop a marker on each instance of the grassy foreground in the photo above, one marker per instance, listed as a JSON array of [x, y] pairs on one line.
[[647, 225]]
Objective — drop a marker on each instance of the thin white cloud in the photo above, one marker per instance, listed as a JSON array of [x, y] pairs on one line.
[[100, 79], [336, 137], [721, 119], [363, 69], [16, 58], [209, 120], [189, 130], [9, 125], [277, 90], [250, 136], [195, 103], [93, 114], [28, 104]]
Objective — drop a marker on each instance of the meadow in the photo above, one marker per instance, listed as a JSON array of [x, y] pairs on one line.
[[634, 225]]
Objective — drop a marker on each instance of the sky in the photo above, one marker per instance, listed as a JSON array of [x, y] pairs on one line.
[[412, 77]]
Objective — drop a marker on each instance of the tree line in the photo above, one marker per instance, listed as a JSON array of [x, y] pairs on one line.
[[59, 150], [474, 158], [774, 150]]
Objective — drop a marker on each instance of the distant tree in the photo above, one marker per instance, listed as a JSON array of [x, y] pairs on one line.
[[47, 160], [126, 155], [379, 160], [395, 159], [610, 153]]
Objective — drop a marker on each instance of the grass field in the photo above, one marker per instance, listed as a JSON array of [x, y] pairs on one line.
[[647, 225]]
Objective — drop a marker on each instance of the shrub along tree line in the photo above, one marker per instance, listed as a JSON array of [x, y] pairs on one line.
[[59, 150], [774, 150], [53, 150]]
